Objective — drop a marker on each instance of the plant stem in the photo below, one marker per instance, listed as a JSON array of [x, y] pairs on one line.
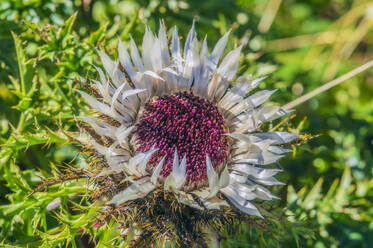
[[21, 122]]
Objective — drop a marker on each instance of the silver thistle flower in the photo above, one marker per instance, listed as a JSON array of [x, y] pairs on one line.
[[176, 123]]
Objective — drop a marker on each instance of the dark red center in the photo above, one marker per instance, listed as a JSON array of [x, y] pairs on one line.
[[192, 125]]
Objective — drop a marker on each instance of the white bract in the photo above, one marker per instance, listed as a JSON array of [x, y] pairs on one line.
[[162, 71]]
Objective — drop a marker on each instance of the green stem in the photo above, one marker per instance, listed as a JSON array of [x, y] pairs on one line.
[[21, 122]]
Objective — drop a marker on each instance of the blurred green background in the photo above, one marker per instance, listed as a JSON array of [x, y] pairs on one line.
[[46, 44]]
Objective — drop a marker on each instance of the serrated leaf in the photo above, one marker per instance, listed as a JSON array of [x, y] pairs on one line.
[[31, 25], [341, 195], [98, 35], [66, 27], [25, 69], [313, 195]]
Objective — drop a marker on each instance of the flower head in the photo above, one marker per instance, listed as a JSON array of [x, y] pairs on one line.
[[174, 124]]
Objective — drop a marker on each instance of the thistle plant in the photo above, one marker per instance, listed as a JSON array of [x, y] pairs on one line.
[[173, 144], [178, 146]]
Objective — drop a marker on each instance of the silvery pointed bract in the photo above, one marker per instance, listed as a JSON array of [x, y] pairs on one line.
[[179, 123]]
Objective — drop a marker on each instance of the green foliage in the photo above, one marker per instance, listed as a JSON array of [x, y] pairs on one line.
[[47, 45], [343, 209]]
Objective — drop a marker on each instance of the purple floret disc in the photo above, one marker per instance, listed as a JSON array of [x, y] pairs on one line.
[[192, 125]]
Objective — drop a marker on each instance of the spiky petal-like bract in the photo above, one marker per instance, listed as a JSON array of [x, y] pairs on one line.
[[176, 126]]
